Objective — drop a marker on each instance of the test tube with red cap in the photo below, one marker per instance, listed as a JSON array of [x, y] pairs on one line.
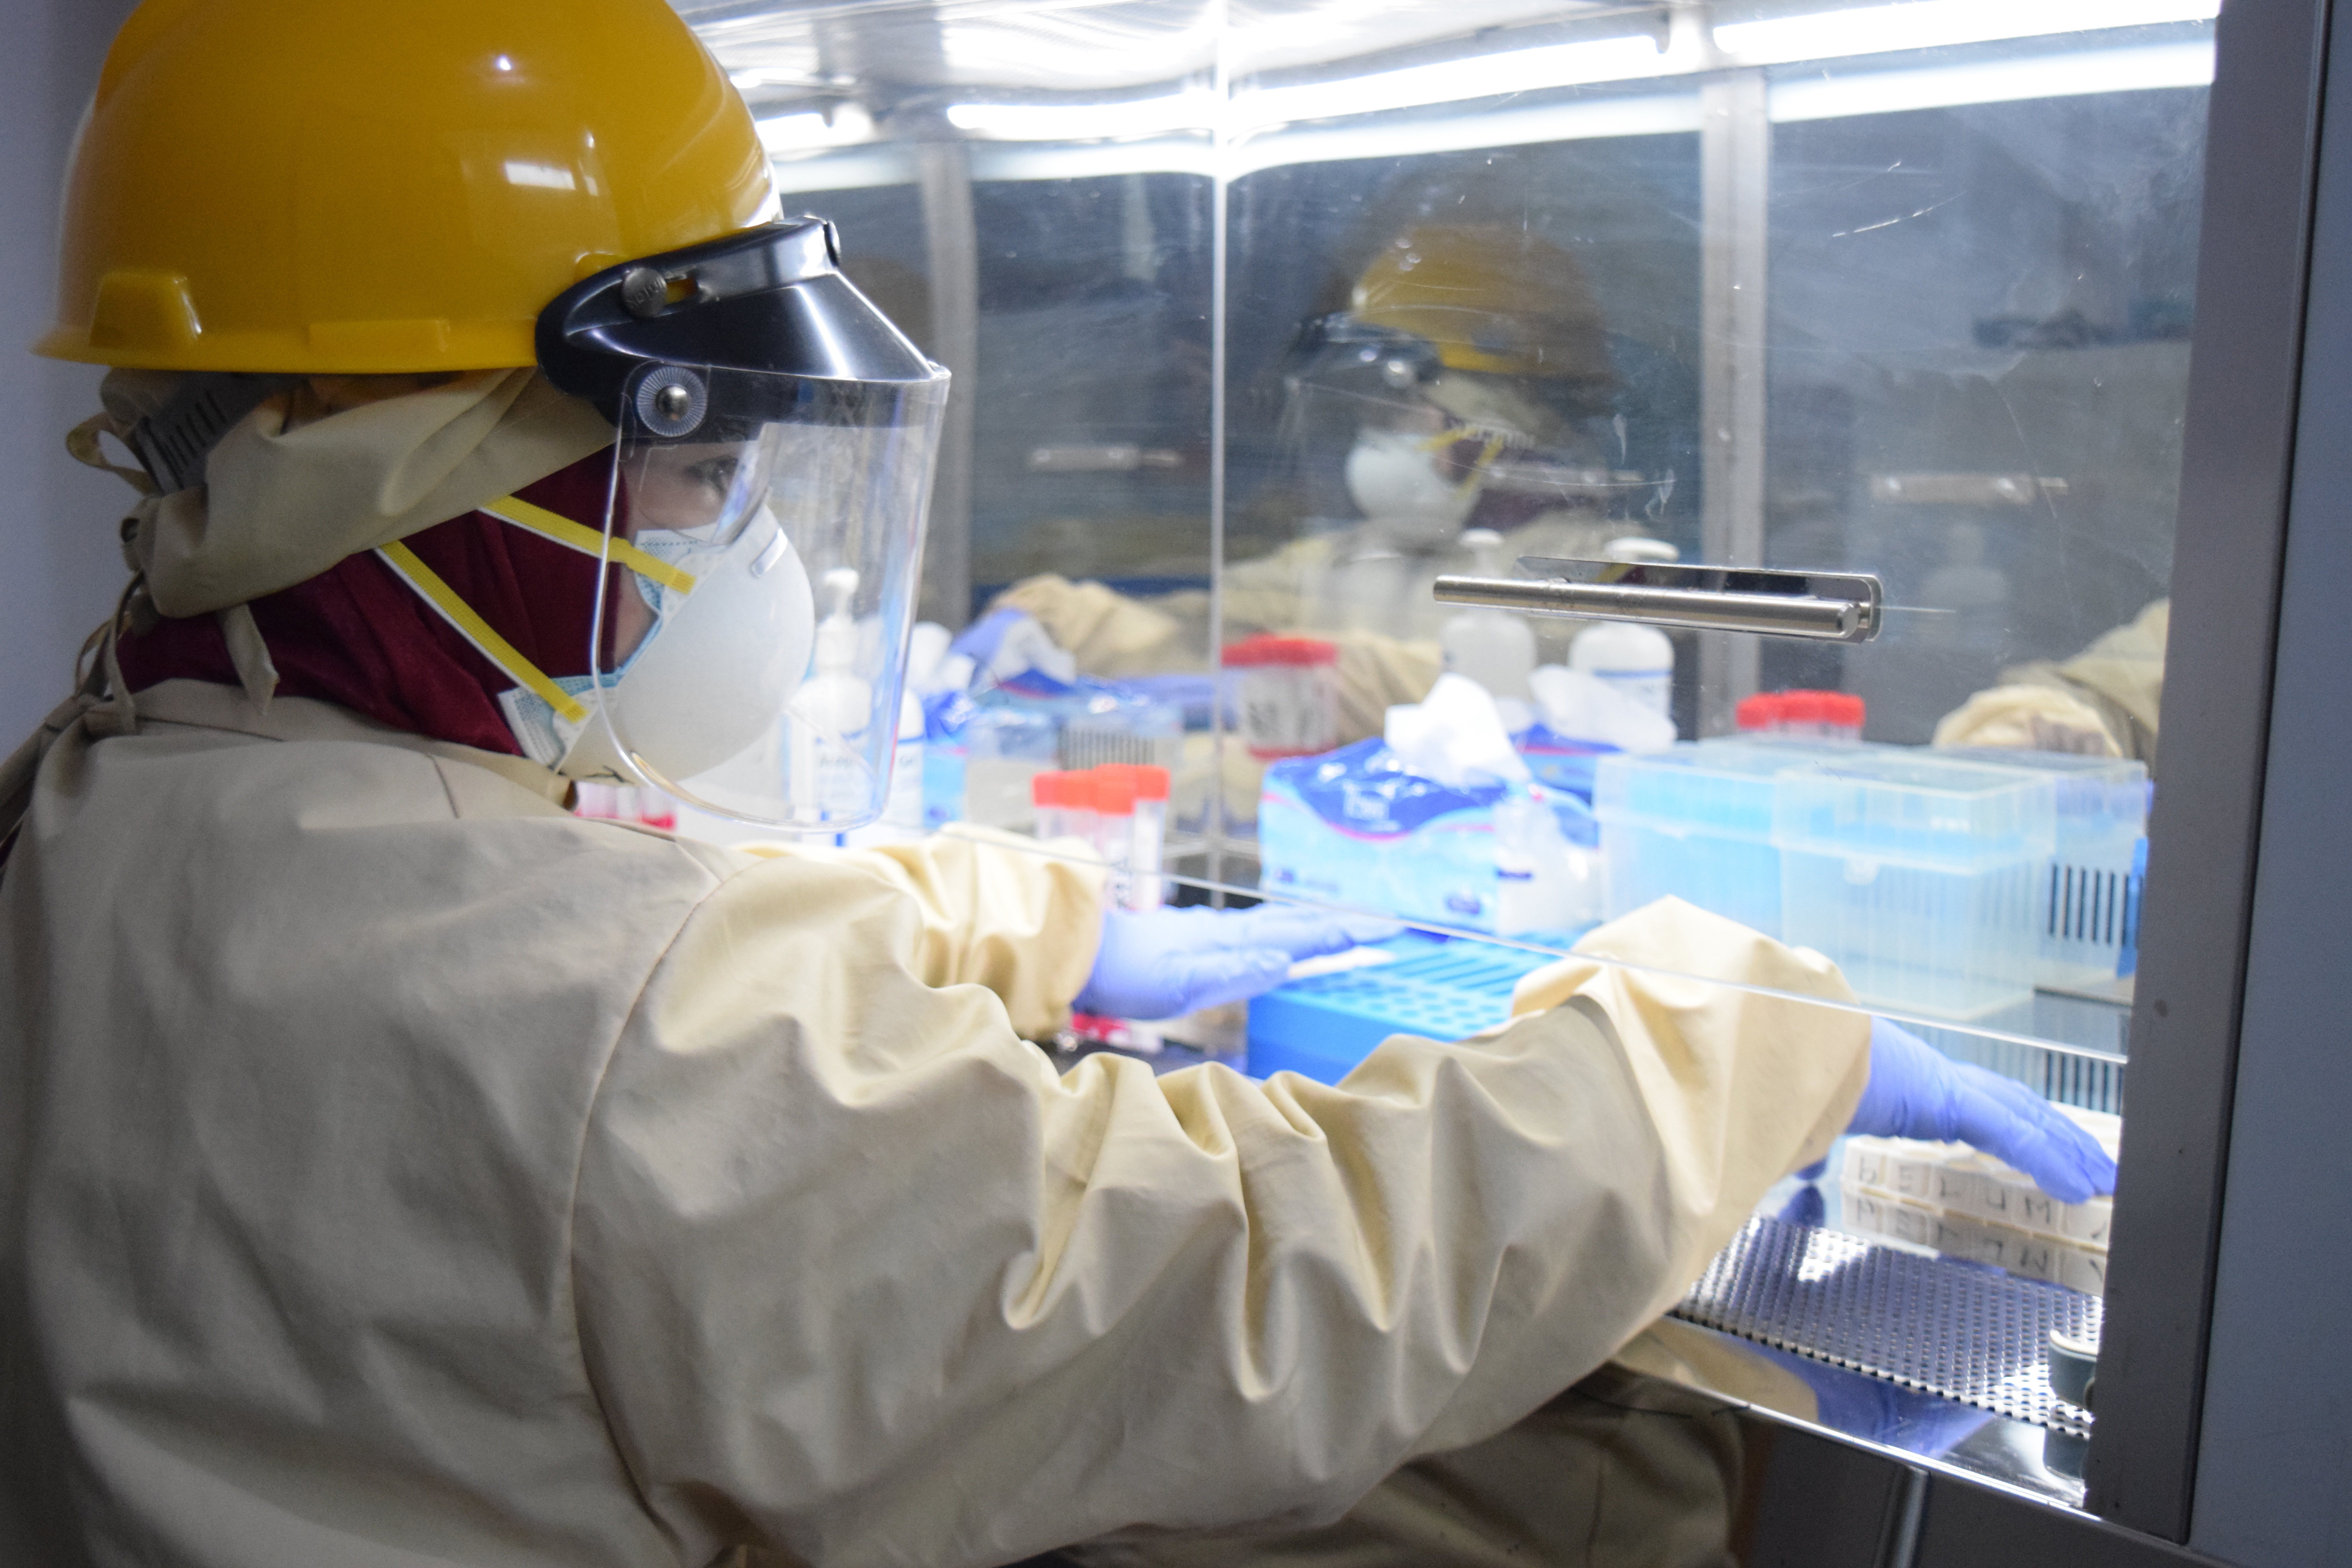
[[1815, 715], [1079, 818], [1144, 791], [1045, 793], [1289, 694], [1114, 794]]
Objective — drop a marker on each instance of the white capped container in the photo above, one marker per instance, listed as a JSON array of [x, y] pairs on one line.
[[1494, 648], [1637, 660], [1289, 695]]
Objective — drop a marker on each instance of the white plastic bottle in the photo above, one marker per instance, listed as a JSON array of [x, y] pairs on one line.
[[1637, 660], [829, 714], [1494, 648], [904, 811]]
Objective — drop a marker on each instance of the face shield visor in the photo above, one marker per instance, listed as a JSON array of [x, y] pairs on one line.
[[1430, 450], [764, 533]]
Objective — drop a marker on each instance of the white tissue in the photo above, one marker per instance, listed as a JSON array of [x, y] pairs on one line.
[[1455, 736], [953, 673], [1583, 707], [1545, 883], [926, 649]]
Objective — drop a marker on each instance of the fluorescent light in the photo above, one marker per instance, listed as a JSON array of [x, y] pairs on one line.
[[1450, 81], [1932, 24], [1447, 81], [810, 129], [787, 130], [2071, 74], [866, 168], [1322, 25], [1086, 121], [1613, 116], [1093, 160], [756, 76], [1542, 122], [1051, 48]]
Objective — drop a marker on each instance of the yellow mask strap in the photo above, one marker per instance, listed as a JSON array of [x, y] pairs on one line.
[[470, 625], [1494, 449], [587, 541]]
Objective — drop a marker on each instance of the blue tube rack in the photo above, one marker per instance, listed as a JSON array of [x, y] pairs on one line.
[[1322, 1026]]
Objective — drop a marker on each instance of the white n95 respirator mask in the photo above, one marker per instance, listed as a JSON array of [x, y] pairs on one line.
[[704, 661], [1398, 476]]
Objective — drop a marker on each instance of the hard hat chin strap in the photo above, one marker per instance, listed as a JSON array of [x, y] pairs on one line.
[[172, 442]]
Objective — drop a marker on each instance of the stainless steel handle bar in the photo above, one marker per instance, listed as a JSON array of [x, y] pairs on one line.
[[1817, 617]]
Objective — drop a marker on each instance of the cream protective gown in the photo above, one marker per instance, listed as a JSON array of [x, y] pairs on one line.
[[399, 1171]]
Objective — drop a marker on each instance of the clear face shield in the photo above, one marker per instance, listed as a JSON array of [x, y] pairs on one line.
[[1431, 450], [763, 541], [757, 673]]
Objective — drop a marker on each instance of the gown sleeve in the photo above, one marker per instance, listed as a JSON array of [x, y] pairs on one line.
[[861, 1279]]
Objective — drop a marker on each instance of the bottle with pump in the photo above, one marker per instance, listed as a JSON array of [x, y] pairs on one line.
[[828, 716], [1637, 660], [1494, 648]]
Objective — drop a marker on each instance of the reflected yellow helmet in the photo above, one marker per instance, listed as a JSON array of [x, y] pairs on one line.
[[332, 186], [1489, 299]]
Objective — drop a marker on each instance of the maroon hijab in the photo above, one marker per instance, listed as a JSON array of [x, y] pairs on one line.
[[358, 635]]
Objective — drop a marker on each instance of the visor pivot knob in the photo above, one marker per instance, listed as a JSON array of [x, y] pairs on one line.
[[644, 291], [671, 401]]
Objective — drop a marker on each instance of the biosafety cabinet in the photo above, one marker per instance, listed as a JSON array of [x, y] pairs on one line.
[[1831, 444]]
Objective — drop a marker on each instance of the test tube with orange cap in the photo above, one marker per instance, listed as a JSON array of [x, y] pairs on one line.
[[1141, 793], [1046, 794]]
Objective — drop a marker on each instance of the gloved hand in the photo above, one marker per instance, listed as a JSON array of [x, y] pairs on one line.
[[1005, 643], [1161, 964], [1916, 1091]]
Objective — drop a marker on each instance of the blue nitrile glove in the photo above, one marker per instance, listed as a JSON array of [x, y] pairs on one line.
[[980, 640], [1161, 964], [1916, 1091]]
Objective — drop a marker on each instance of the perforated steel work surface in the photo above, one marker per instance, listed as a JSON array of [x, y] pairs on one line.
[[1958, 1330]]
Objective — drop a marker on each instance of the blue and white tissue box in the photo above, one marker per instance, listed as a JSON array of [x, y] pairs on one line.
[[1358, 828]]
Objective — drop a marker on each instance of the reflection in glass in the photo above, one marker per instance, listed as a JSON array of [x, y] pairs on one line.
[[1276, 314]]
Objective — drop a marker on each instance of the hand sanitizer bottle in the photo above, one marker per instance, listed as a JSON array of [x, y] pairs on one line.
[[826, 723]]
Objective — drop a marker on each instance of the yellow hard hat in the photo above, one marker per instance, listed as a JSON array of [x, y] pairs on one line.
[[331, 187], [1489, 299]]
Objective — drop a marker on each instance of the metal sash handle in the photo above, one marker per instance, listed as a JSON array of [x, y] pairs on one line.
[[1819, 606]]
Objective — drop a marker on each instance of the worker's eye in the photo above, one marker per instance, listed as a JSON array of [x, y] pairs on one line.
[[715, 474]]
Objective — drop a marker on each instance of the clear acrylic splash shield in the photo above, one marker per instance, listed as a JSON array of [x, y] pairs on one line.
[[750, 650]]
